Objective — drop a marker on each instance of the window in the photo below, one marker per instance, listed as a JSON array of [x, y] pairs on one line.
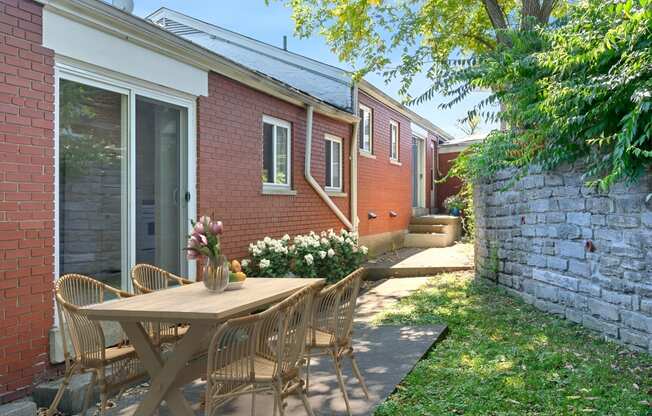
[[393, 140], [366, 121], [276, 153], [333, 163]]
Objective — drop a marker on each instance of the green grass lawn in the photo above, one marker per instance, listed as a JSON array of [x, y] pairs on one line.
[[504, 357]]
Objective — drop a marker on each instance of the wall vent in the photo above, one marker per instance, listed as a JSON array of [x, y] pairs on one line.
[[177, 28]]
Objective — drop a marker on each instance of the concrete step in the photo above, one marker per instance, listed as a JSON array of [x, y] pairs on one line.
[[426, 228], [434, 220], [428, 240]]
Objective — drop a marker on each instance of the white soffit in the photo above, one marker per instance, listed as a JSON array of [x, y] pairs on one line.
[[75, 40]]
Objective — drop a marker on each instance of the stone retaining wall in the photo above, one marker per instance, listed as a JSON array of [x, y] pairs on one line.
[[570, 250]]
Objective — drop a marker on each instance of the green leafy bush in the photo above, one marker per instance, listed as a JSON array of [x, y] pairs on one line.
[[579, 90], [327, 255]]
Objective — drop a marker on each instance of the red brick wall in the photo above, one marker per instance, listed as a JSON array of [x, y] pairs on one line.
[[229, 149], [452, 185], [26, 197], [383, 186]]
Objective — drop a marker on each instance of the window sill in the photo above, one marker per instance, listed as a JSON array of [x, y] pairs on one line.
[[279, 191], [395, 162], [366, 154], [336, 193]]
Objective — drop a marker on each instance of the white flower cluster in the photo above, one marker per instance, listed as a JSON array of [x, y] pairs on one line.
[[277, 256]]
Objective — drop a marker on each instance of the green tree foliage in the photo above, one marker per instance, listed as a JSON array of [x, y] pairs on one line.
[[580, 91], [425, 33]]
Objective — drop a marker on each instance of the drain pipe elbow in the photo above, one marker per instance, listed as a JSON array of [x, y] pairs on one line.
[[308, 175]]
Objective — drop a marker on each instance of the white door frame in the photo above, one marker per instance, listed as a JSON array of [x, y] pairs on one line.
[[421, 170], [130, 88]]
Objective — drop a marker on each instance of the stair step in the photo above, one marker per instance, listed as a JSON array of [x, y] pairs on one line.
[[423, 240], [426, 228], [434, 220]]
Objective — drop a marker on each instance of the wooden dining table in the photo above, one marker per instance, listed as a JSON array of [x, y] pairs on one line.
[[195, 306]]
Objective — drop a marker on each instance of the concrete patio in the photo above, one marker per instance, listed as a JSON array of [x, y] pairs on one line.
[[386, 354]]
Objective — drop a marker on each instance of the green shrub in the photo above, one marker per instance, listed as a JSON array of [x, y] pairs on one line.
[[327, 255]]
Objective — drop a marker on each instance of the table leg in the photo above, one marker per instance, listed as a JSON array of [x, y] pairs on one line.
[[163, 374]]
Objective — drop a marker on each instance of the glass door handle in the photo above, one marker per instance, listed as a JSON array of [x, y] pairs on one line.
[[187, 196]]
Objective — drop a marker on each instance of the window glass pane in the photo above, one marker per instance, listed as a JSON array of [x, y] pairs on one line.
[[158, 184], [268, 152], [367, 130], [281, 156], [393, 141], [337, 156], [361, 129], [328, 163], [91, 158]]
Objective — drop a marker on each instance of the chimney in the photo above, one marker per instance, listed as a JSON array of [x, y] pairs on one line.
[[285, 43]]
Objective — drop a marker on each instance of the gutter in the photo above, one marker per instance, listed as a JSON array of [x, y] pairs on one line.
[[308, 175]]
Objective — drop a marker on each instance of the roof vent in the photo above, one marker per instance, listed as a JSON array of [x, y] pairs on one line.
[[124, 5]]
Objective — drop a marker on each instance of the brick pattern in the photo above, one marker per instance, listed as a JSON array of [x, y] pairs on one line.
[[26, 197], [383, 186], [229, 148], [533, 238], [452, 185]]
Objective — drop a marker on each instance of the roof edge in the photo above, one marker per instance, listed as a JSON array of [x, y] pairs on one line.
[[118, 23]]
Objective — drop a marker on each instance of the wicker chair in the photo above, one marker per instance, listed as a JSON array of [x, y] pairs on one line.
[[331, 329], [260, 352], [146, 279], [113, 368]]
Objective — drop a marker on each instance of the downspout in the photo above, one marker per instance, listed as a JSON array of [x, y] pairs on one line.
[[320, 191], [354, 161]]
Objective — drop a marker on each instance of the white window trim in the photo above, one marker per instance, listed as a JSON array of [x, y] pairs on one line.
[[369, 151], [331, 138], [131, 88], [270, 187], [396, 158]]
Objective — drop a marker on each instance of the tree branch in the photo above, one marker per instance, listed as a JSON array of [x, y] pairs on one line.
[[497, 18]]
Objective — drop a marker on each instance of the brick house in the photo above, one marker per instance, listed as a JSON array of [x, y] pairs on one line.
[[448, 152], [116, 130]]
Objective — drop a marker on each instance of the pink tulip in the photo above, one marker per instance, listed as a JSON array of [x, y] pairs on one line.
[[199, 227], [204, 220], [216, 227], [202, 239]]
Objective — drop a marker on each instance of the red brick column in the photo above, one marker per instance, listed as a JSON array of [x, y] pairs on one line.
[[26, 197]]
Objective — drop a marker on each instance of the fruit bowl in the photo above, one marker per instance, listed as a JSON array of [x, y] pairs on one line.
[[235, 285]]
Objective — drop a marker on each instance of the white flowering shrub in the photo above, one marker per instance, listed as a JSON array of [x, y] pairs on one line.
[[269, 257], [329, 255]]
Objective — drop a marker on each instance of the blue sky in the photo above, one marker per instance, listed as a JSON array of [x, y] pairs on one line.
[[269, 23]]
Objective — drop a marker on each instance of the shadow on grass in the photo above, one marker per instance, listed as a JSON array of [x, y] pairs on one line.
[[504, 357]]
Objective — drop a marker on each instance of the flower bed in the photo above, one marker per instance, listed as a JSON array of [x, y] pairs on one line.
[[329, 255]]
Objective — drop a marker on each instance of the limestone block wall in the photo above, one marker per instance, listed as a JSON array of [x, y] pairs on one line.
[[570, 250]]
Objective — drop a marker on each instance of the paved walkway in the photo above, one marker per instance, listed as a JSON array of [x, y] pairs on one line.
[[409, 262], [385, 354]]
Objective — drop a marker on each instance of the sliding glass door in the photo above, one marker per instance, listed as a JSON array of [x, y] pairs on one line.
[[160, 131], [92, 149], [122, 179]]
